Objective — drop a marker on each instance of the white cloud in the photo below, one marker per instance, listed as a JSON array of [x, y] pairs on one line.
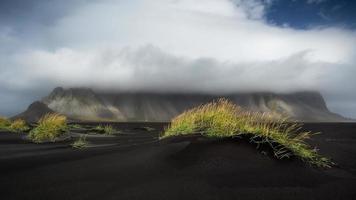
[[151, 68], [198, 45], [216, 28]]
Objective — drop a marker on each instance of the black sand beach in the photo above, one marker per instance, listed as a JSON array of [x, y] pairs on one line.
[[135, 165]]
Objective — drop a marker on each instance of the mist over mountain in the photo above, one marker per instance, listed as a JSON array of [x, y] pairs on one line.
[[88, 105]]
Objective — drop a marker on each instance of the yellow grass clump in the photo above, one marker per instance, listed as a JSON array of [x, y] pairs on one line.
[[19, 125], [223, 119], [49, 128]]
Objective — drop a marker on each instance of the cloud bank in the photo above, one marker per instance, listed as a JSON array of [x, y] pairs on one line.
[[212, 46]]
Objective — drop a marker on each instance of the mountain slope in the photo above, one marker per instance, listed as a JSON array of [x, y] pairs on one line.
[[81, 103], [34, 112], [85, 104]]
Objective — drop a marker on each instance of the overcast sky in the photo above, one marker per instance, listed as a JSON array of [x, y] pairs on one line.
[[211, 46]]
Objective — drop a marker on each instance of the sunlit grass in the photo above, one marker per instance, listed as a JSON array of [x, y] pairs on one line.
[[49, 128], [223, 119], [19, 125], [80, 143]]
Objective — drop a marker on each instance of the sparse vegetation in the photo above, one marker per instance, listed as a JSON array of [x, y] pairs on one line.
[[224, 119], [75, 126], [49, 128], [106, 129], [4, 123], [80, 143], [19, 125]]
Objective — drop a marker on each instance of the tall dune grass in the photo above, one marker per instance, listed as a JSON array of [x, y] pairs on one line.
[[222, 119], [49, 128], [19, 125]]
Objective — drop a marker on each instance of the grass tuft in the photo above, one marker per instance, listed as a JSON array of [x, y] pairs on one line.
[[107, 129], [80, 143], [4, 123], [19, 125], [222, 119], [49, 128]]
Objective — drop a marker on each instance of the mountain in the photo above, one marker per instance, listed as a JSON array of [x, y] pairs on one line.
[[82, 104], [34, 112], [88, 105]]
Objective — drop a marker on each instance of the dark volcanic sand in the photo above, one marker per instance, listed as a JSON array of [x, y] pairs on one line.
[[139, 167]]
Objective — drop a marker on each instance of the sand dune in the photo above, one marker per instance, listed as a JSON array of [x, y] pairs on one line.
[[141, 167]]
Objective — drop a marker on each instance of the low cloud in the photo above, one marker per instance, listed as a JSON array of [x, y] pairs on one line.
[[151, 68]]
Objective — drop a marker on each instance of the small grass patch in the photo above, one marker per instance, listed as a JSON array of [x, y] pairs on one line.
[[223, 119], [4, 123], [75, 126], [80, 143], [105, 129], [19, 125], [49, 128]]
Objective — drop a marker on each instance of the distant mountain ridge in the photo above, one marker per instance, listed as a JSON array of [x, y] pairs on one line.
[[88, 105]]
